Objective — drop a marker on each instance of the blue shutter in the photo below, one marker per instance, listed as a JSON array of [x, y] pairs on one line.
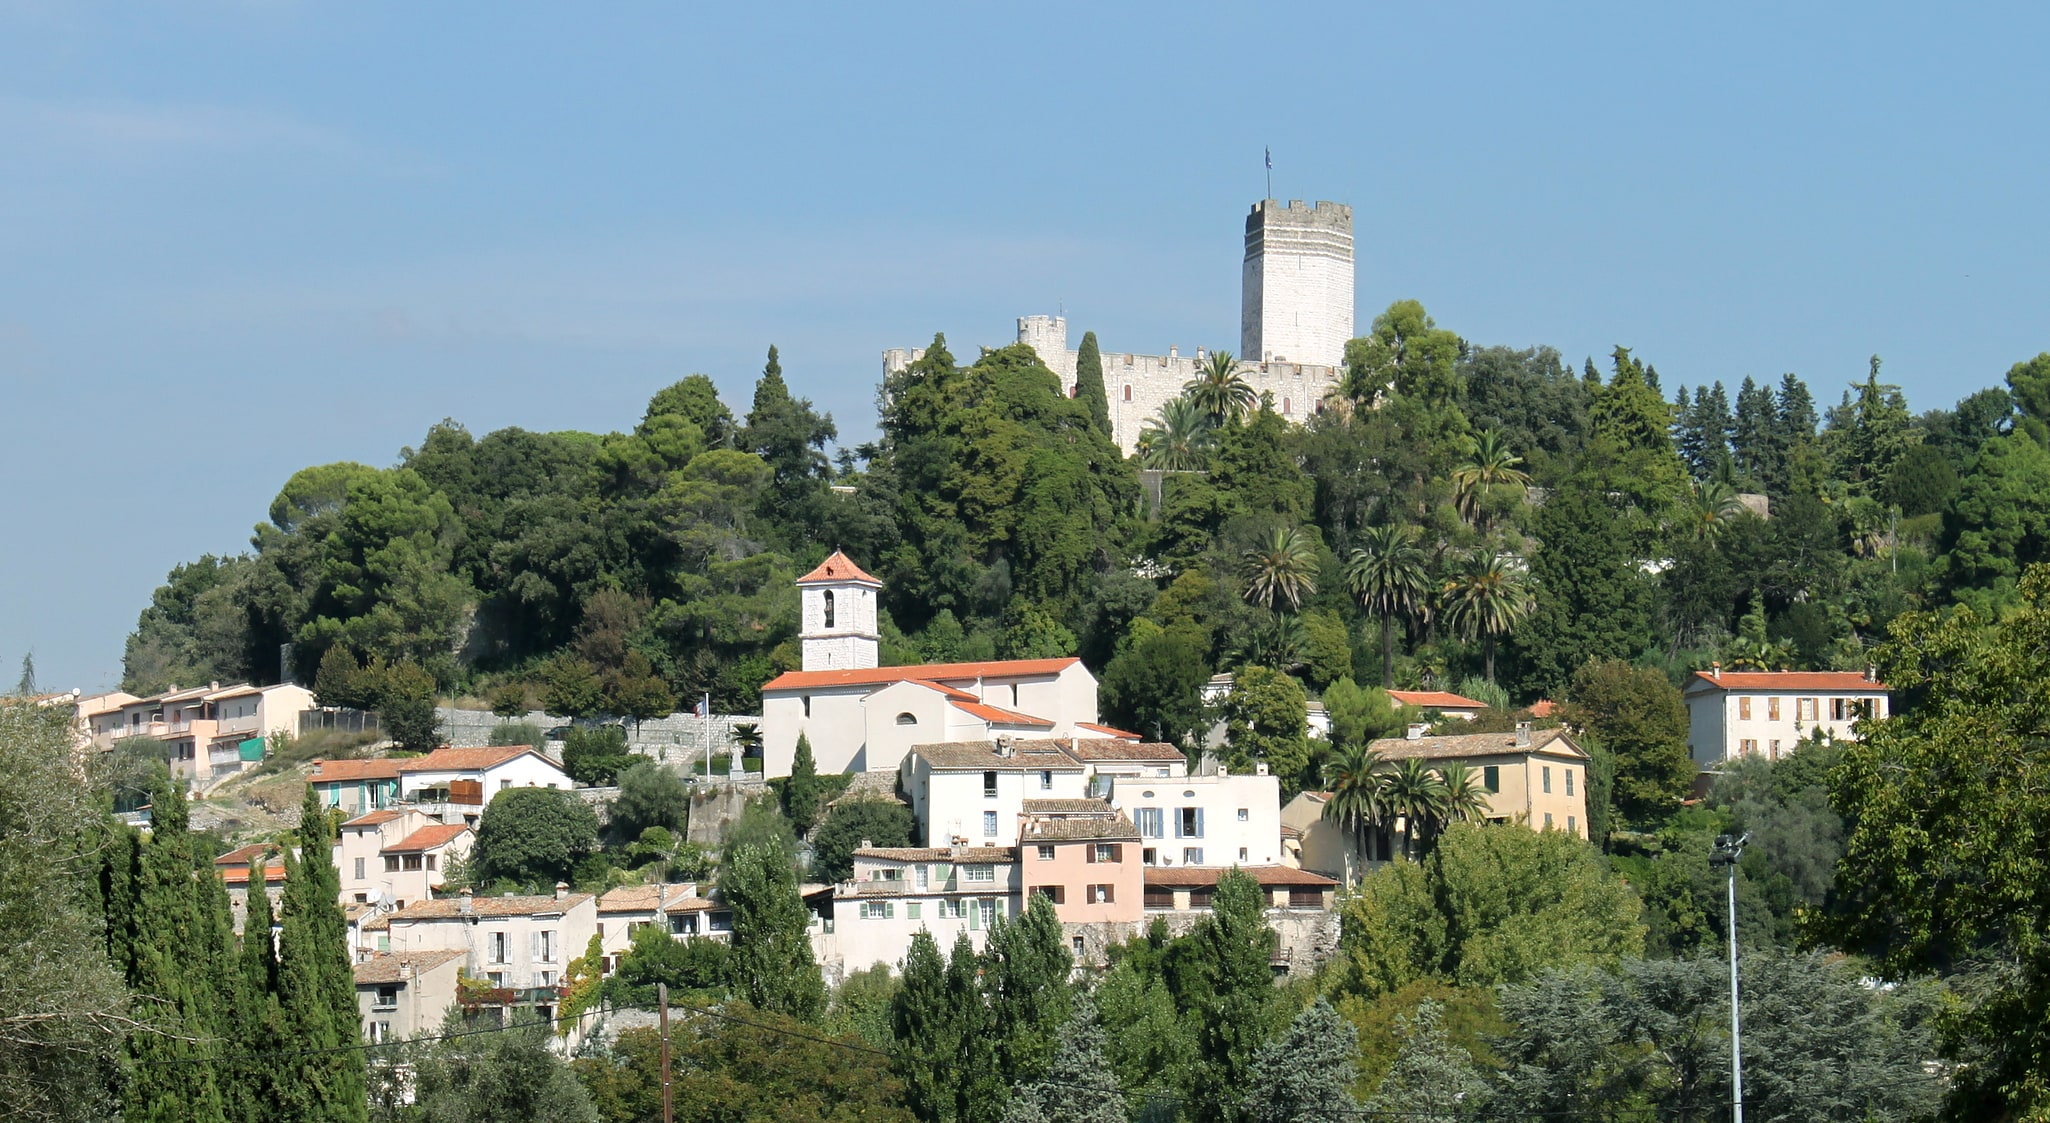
[[1199, 822]]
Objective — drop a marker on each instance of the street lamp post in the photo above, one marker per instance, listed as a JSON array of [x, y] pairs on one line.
[[1727, 851]]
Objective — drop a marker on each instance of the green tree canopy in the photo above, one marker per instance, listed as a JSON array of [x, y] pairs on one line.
[[533, 837]]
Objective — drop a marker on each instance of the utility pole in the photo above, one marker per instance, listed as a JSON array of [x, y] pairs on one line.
[[668, 1103], [1727, 851]]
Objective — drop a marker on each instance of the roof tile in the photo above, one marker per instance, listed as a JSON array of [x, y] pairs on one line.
[[936, 672], [838, 567], [382, 968], [428, 837], [1196, 877], [1475, 744], [1833, 681]]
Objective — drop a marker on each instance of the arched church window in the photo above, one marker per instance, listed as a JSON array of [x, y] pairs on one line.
[[829, 608], [1128, 391], [907, 718]]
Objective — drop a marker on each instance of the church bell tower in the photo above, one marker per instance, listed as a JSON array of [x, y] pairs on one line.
[[839, 631]]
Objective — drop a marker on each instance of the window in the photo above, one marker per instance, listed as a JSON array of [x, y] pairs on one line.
[[1744, 709], [1491, 777], [1569, 781], [979, 873], [1546, 775], [890, 873], [921, 877], [1107, 852], [391, 863], [1101, 895], [1242, 853], [412, 863], [951, 908], [1149, 822], [1056, 893], [1128, 391], [496, 946], [1836, 709], [1158, 897], [907, 718], [829, 608], [504, 784], [1077, 945], [989, 823], [544, 978], [430, 861], [988, 909], [1572, 825], [806, 699], [1772, 708], [911, 910], [544, 947], [1301, 898], [1804, 709], [878, 910], [497, 978], [1284, 407], [359, 869], [1046, 852], [1188, 822], [387, 999], [1014, 694], [1548, 820], [1046, 780], [1244, 814], [989, 785], [1192, 855], [1747, 746], [1150, 856]]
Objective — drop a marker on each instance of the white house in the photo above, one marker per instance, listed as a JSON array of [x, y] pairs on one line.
[[516, 943], [973, 793], [401, 995], [455, 784], [860, 717], [1213, 820], [897, 891], [1742, 713]]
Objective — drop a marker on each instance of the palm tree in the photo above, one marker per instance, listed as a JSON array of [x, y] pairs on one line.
[[1489, 465], [1485, 597], [1710, 506], [1416, 796], [1219, 391], [1280, 645], [1178, 439], [1285, 566], [1466, 800], [1386, 575], [1357, 800]]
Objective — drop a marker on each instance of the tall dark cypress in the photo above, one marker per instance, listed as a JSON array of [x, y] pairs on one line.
[[1089, 387], [1752, 434], [258, 1026], [316, 986], [170, 1077]]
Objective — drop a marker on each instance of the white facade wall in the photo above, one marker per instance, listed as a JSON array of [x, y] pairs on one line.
[[523, 957], [833, 717], [951, 804], [1719, 728], [528, 771], [881, 934], [1226, 838]]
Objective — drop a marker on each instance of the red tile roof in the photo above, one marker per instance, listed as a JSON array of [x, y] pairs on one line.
[[442, 908], [936, 672], [465, 760], [1112, 731], [1849, 682], [383, 967], [997, 715], [243, 855], [1196, 877], [1435, 700], [837, 568], [373, 819], [1105, 749], [1543, 707], [427, 838], [327, 771], [239, 875]]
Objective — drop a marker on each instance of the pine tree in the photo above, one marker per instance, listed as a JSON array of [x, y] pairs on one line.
[[1706, 427], [1078, 1085], [1089, 388], [1306, 1075], [801, 791], [1025, 974], [771, 964], [1752, 435], [316, 986]]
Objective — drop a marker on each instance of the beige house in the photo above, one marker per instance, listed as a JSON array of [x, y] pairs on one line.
[[1206, 820], [405, 994], [210, 732], [1754, 713], [521, 944], [675, 907], [396, 856], [1535, 778]]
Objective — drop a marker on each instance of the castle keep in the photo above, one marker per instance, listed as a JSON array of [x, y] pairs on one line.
[[1295, 319]]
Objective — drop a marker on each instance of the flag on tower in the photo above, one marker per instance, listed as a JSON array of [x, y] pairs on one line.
[[1270, 158]]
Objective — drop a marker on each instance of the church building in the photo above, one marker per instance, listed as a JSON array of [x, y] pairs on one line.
[[861, 717]]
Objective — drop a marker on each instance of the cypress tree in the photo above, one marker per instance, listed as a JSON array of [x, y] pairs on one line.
[[257, 1024], [978, 1092], [1226, 977], [801, 791], [1752, 433], [168, 1077], [316, 986], [926, 1032], [1089, 388]]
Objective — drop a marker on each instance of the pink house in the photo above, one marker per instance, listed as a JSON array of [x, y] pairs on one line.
[[1083, 856]]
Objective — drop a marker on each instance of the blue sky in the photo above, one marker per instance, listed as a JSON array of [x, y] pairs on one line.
[[240, 238]]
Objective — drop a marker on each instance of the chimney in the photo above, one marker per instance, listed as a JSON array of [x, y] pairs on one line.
[[1871, 672], [561, 890], [465, 904], [1260, 768], [405, 969], [1004, 744], [1522, 734], [866, 844], [1223, 769], [1415, 732], [1715, 670]]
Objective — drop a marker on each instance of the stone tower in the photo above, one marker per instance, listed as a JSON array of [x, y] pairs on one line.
[[1296, 306], [839, 631]]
